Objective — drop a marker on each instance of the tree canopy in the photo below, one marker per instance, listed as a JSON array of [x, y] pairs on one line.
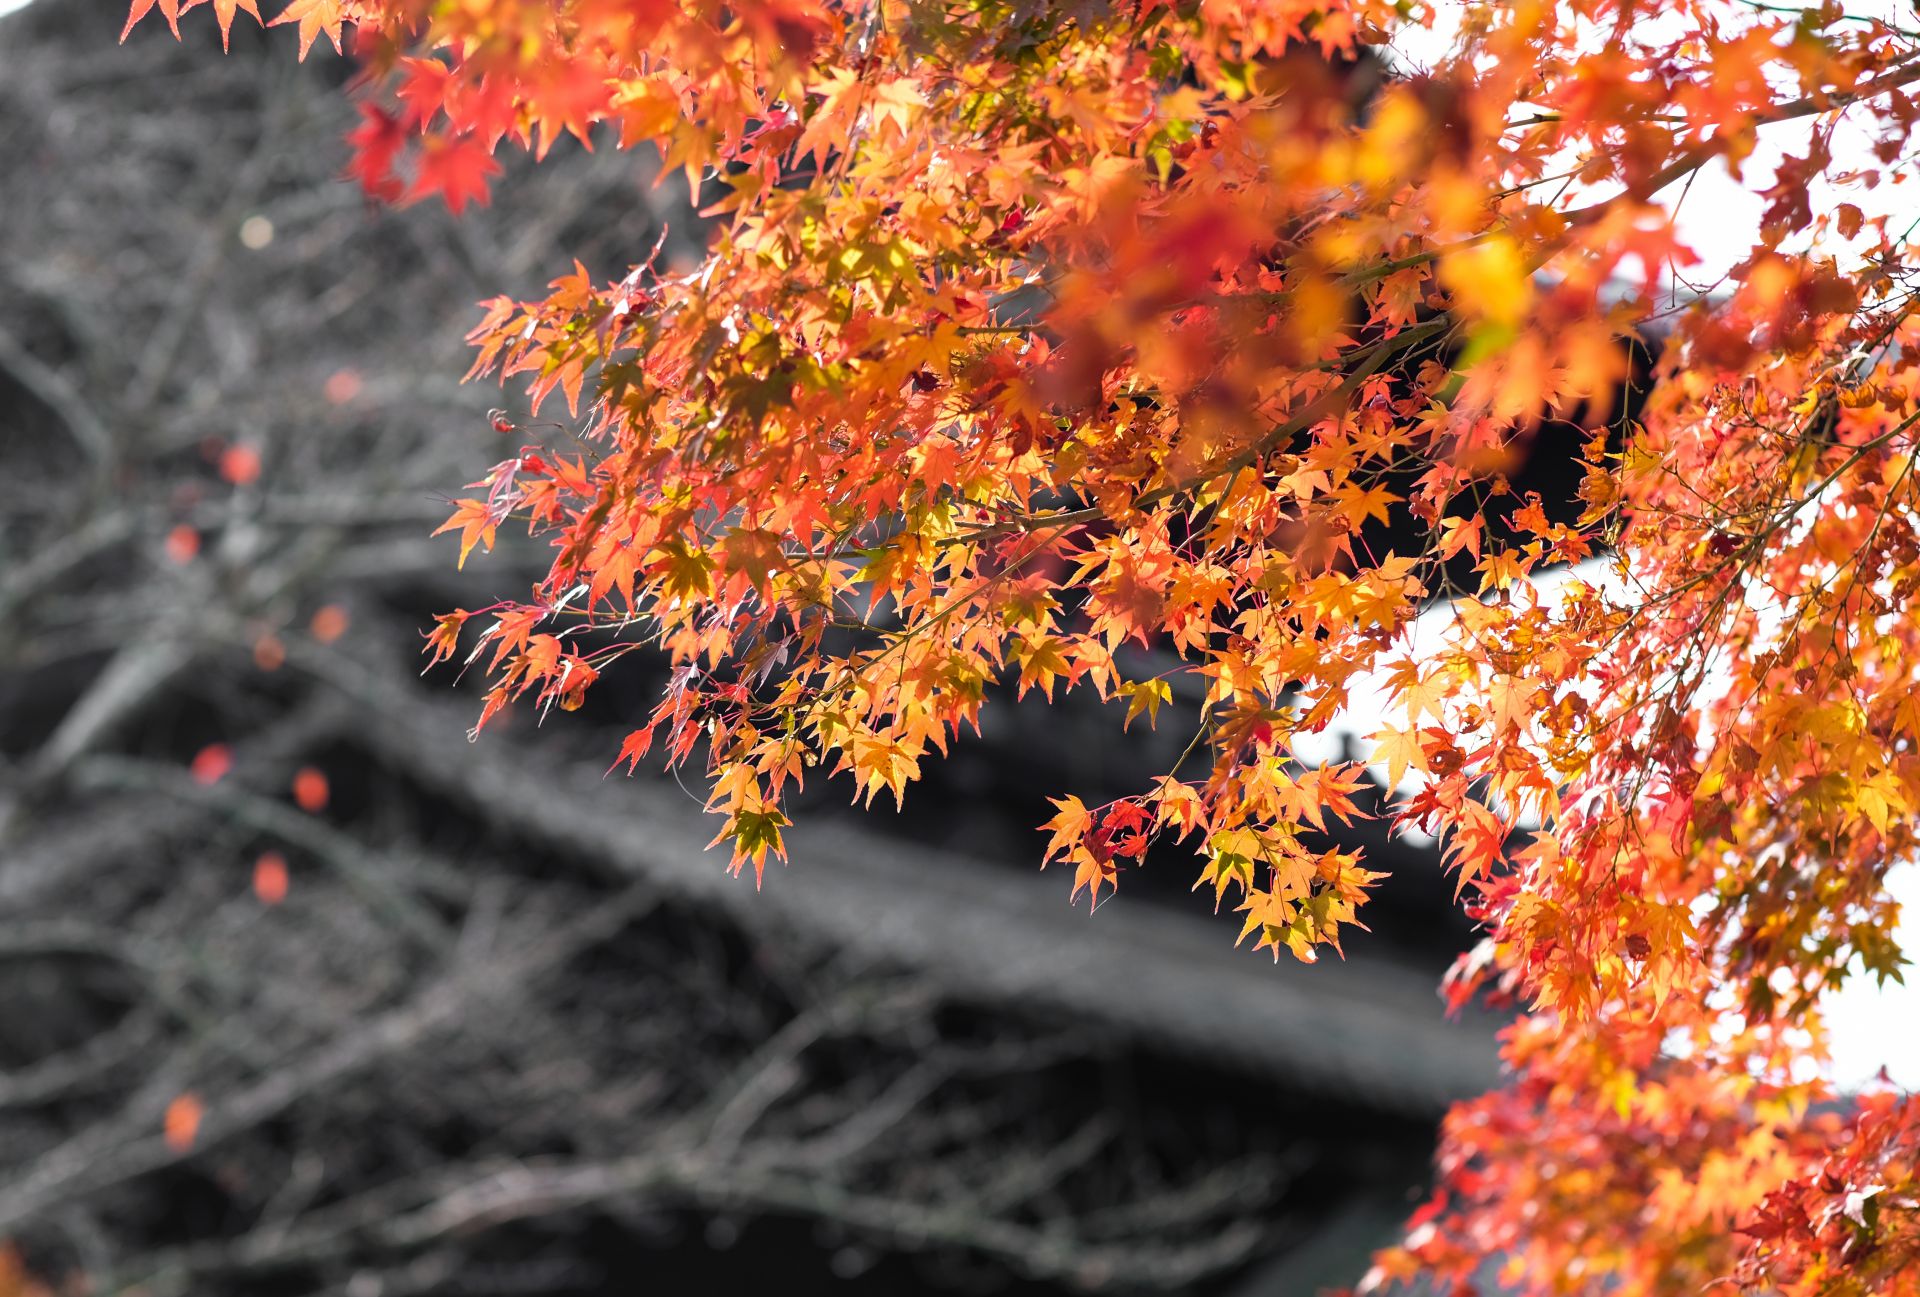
[[1083, 346]]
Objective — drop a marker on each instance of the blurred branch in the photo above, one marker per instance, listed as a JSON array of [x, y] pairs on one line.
[[76, 1168], [75, 413], [372, 875]]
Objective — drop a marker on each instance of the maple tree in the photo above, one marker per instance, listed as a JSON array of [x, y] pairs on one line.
[[1031, 337]]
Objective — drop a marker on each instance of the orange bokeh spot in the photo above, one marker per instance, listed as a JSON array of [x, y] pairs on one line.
[[240, 465], [182, 1121], [310, 790], [342, 386], [211, 763], [329, 623], [183, 542], [270, 878], [269, 654]]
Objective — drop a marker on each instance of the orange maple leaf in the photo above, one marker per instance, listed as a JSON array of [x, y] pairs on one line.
[[314, 17], [224, 10], [476, 523]]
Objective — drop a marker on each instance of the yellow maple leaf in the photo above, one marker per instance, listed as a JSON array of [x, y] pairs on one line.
[[1398, 749], [1489, 281]]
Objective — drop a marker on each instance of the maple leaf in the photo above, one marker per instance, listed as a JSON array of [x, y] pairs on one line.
[[169, 9], [1398, 749], [223, 12], [376, 142], [1420, 692], [882, 763], [1223, 870], [1093, 868], [754, 833], [1181, 806], [314, 17], [633, 748], [1500, 569], [476, 522], [1068, 826], [1457, 534], [755, 553], [1147, 696], [1490, 280], [424, 87], [1041, 662], [686, 572], [457, 169]]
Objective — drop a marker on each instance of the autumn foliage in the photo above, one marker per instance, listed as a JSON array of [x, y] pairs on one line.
[[1082, 346]]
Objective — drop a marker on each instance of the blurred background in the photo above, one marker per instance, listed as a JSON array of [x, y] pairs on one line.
[[303, 992]]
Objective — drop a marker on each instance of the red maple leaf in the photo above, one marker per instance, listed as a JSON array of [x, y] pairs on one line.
[[457, 168], [423, 88], [376, 142]]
